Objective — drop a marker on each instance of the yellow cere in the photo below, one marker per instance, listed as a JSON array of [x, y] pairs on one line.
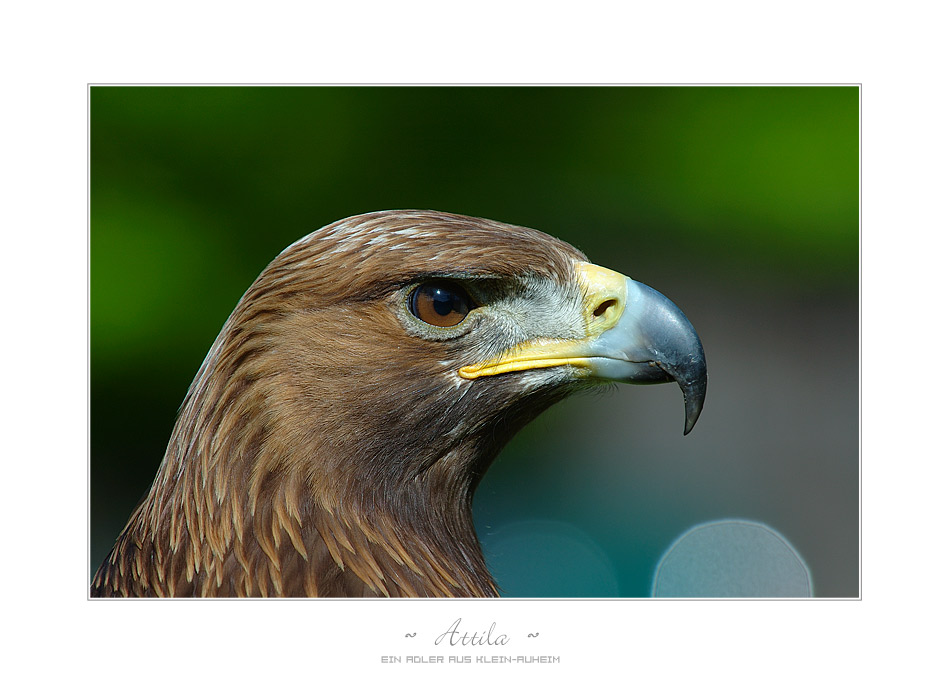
[[605, 296]]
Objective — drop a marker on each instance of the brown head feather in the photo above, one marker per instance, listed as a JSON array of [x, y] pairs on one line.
[[325, 450]]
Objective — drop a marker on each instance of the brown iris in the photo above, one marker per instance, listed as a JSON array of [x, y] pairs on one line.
[[440, 303]]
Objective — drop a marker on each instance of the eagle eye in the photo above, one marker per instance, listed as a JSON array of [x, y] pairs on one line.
[[440, 303]]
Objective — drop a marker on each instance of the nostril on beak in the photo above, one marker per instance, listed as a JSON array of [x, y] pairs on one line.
[[604, 306]]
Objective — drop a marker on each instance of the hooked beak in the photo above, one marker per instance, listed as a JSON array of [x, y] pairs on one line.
[[634, 335]]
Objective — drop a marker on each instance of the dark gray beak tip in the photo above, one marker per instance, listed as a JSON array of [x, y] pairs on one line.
[[679, 352], [694, 396]]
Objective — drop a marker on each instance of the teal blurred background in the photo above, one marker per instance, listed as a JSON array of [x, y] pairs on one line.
[[739, 203]]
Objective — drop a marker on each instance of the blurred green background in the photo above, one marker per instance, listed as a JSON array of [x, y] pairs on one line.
[[739, 203]]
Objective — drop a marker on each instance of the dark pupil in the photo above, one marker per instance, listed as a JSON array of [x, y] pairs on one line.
[[445, 302]]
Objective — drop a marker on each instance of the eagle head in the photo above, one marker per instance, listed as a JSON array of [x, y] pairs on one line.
[[332, 440]]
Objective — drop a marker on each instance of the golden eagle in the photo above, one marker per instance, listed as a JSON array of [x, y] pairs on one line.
[[332, 440]]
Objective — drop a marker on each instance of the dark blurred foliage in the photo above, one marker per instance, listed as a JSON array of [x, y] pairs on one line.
[[739, 203]]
